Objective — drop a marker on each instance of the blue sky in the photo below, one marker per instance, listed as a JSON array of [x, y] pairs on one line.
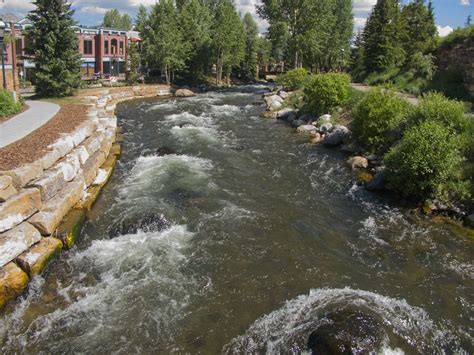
[[449, 13]]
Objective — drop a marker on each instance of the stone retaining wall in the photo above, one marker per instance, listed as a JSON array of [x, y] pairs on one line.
[[43, 204]]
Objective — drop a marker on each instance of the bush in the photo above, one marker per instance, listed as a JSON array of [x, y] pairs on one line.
[[293, 79], [376, 119], [423, 65], [324, 92], [427, 164], [7, 105], [437, 108]]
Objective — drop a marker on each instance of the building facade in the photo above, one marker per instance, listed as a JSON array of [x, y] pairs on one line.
[[103, 51]]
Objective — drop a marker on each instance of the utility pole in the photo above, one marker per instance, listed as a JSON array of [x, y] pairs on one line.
[[2, 36], [13, 45]]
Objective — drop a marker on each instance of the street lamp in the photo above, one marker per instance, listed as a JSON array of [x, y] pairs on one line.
[[2, 36]]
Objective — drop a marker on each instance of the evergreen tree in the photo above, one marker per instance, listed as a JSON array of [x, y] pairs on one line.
[[250, 64], [382, 37], [164, 41], [141, 21], [55, 48], [419, 28], [134, 58], [114, 19], [228, 39], [468, 21], [195, 23]]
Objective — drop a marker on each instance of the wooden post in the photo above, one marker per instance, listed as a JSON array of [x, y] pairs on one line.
[[12, 26]]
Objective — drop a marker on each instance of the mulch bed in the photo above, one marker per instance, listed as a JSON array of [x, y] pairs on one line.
[[33, 146]]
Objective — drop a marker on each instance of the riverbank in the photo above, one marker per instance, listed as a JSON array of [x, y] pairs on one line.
[[43, 203], [332, 131]]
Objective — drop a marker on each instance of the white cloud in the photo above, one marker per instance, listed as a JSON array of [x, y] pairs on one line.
[[16, 6], [444, 31], [93, 10], [465, 2]]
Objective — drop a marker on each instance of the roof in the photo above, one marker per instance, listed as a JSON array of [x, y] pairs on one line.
[[9, 17]]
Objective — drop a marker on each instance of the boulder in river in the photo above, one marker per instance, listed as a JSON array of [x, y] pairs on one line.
[[347, 332], [308, 118], [297, 123], [358, 162], [183, 93], [306, 129], [283, 114], [147, 222], [337, 136], [273, 103], [316, 138], [325, 118]]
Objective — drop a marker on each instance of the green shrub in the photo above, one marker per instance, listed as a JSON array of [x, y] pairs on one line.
[[324, 92], [7, 105], [427, 164], [423, 65], [293, 79], [376, 119], [437, 108]]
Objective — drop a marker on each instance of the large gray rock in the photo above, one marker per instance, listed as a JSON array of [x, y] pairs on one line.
[[325, 118], [16, 241], [50, 183], [283, 94], [337, 136], [183, 93], [273, 103], [23, 175], [55, 209], [18, 208]]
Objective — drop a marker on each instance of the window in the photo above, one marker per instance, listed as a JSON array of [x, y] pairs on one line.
[[114, 45], [121, 47], [106, 47], [87, 46]]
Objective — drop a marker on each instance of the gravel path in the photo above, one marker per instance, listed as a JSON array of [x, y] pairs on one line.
[[364, 88]]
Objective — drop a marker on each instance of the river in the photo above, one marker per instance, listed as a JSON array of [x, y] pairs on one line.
[[221, 231]]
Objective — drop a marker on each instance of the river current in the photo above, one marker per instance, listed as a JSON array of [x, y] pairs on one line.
[[223, 232]]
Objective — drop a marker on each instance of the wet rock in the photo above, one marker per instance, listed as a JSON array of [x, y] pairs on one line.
[[70, 227], [13, 282], [165, 151], [337, 136], [317, 138], [148, 222], [35, 260], [273, 102], [347, 332], [186, 125], [297, 123], [358, 162], [364, 177], [377, 183], [308, 118], [181, 196], [183, 93]]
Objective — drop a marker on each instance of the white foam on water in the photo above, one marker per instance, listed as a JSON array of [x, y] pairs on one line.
[[196, 134], [290, 326], [120, 277], [162, 106], [226, 110], [187, 117], [151, 173]]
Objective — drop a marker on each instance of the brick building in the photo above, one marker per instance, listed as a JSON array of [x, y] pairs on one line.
[[103, 51]]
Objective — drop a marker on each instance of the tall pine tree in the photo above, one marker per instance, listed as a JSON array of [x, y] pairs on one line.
[[250, 64], [382, 37], [55, 48]]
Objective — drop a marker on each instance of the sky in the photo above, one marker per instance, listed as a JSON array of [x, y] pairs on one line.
[[449, 13]]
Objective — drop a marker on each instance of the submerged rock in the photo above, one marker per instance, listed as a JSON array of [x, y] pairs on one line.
[[377, 183], [337, 136], [149, 222], [347, 332]]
